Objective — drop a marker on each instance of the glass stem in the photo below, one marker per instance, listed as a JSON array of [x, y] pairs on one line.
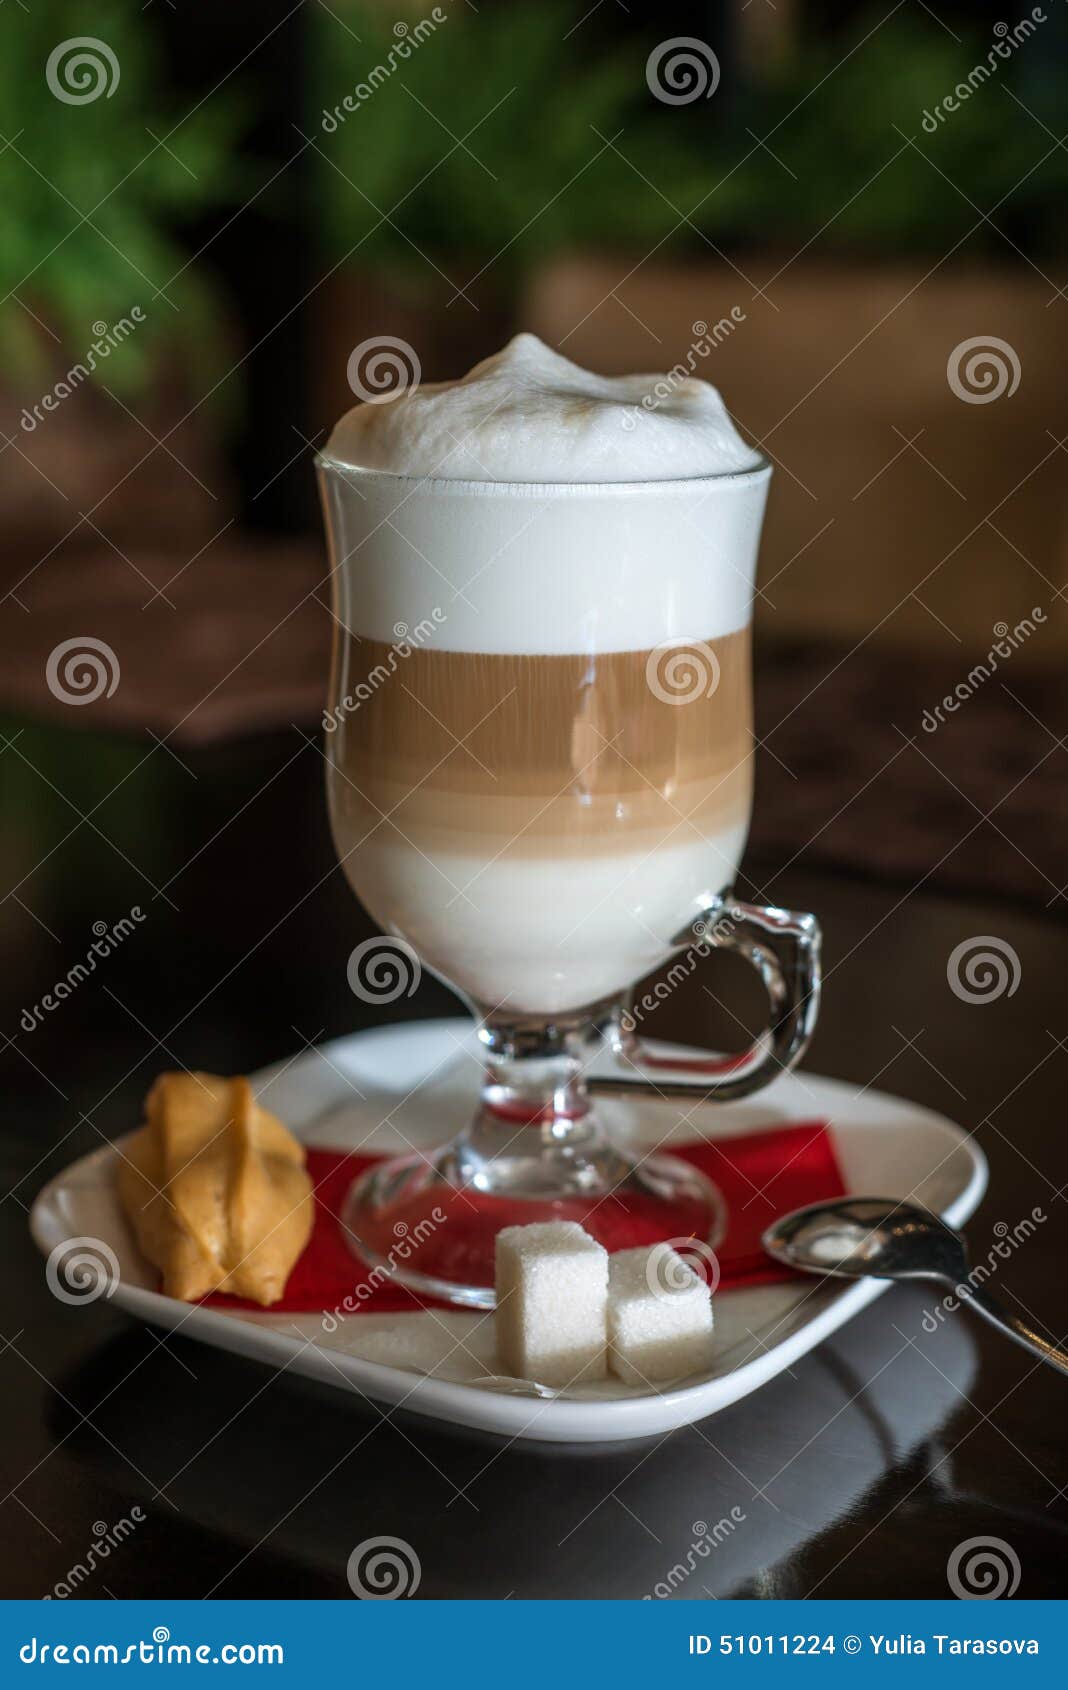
[[535, 1120]]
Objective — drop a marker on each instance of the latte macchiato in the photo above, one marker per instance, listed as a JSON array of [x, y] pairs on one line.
[[539, 739], [544, 789]]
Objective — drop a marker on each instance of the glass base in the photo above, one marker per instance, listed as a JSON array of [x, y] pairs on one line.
[[431, 1222]]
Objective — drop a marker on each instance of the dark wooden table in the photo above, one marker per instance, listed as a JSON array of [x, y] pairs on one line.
[[857, 1475]]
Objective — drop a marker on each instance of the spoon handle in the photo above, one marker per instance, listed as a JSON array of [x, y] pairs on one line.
[[1011, 1324]]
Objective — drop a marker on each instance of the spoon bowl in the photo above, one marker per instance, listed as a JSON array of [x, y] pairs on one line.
[[868, 1238]]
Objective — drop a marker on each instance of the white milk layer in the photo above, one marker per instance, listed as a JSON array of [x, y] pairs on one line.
[[546, 934], [528, 414], [535, 508], [478, 567]]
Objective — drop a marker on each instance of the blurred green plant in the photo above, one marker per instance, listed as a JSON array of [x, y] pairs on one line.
[[494, 135], [861, 167], [489, 139], [90, 197]]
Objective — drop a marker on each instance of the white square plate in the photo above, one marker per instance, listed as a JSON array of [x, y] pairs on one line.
[[395, 1087]]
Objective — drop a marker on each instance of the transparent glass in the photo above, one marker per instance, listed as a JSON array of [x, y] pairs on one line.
[[539, 745]]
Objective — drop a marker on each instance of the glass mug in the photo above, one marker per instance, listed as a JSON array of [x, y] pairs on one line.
[[539, 755]]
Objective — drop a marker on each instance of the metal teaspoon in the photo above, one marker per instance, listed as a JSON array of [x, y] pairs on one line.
[[878, 1238]]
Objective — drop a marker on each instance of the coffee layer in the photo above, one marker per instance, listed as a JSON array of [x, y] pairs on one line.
[[519, 755]]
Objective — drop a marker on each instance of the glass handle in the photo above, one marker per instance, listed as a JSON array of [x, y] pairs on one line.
[[784, 948]]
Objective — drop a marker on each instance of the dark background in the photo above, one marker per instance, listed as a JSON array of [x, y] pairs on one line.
[[167, 508]]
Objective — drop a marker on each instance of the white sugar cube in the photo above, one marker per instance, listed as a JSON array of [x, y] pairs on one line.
[[552, 1288], [659, 1316]]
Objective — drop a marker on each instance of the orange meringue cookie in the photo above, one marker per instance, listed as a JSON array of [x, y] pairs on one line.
[[215, 1189]]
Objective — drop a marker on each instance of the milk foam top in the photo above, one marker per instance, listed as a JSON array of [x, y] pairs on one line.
[[528, 414], [542, 509]]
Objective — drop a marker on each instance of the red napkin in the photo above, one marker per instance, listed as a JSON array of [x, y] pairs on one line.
[[760, 1175]]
